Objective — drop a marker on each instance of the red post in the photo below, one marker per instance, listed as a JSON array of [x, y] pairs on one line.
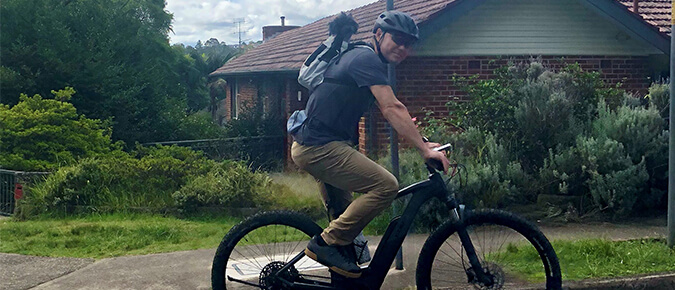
[[18, 191]]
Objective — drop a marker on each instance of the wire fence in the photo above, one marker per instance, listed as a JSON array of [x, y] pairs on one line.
[[261, 152]]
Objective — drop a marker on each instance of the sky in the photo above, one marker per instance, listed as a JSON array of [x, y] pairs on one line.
[[195, 20]]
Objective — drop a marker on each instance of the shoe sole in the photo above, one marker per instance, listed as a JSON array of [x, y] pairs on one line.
[[347, 274]]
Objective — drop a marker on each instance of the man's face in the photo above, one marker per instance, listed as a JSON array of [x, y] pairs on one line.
[[395, 46]]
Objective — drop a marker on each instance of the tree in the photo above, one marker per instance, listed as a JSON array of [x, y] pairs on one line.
[[115, 53], [198, 63], [42, 134]]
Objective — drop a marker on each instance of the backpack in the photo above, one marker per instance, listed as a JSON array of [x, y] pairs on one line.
[[340, 30]]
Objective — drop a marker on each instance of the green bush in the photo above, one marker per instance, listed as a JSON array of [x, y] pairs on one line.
[[40, 134], [533, 109], [659, 99], [253, 121], [231, 184], [159, 179], [146, 177], [533, 131], [488, 179]]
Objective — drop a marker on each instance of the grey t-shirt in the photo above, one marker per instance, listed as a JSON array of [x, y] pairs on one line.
[[335, 107]]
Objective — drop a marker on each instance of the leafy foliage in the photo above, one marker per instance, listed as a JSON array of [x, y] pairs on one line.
[[145, 177], [157, 179], [231, 184], [197, 64], [115, 53], [42, 134], [533, 131]]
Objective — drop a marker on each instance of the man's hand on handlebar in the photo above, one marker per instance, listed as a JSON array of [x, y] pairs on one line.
[[437, 156]]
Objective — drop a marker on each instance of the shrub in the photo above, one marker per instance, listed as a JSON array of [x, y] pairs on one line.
[[533, 109], [144, 178], [253, 121], [231, 184], [40, 134], [532, 131], [488, 179], [659, 99]]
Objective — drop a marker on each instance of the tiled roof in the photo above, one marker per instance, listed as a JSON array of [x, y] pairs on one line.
[[655, 12], [288, 50]]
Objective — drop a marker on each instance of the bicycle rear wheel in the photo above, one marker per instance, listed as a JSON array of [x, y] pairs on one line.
[[511, 250], [261, 245]]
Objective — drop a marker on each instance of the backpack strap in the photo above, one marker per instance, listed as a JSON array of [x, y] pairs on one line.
[[358, 44], [315, 54]]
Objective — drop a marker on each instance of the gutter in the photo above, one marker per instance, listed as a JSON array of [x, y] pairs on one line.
[[254, 73]]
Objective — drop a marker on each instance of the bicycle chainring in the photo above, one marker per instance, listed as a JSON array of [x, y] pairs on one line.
[[269, 281]]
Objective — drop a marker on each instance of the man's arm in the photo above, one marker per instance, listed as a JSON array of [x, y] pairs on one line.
[[399, 118]]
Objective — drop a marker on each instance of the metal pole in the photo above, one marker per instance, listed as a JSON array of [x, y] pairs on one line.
[[671, 144], [393, 142]]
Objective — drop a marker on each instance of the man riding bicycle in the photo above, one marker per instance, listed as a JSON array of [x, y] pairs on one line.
[[324, 144]]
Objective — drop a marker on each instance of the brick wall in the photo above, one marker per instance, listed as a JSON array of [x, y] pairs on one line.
[[247, 95], [425, 83]]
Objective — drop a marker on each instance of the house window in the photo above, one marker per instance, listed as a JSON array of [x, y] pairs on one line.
[[234, 99]]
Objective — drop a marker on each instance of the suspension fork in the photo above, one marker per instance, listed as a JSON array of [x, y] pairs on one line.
[[470, 250]]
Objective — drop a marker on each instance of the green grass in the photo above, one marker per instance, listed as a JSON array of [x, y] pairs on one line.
[[111, 235], [303, 185], [596, 258]]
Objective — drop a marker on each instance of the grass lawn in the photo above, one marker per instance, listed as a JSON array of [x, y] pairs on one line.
[[585, 259], [111, 235]]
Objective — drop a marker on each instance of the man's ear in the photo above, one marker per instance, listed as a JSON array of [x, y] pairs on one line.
[[378, 33]]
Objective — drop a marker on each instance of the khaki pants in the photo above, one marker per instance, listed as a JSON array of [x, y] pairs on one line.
[[339, 165]]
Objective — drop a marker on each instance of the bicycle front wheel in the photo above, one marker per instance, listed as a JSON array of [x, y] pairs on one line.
[[261, 245], [512, 251]]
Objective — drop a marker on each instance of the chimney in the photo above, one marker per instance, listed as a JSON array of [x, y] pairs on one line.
[[271, 31], [636, 7]]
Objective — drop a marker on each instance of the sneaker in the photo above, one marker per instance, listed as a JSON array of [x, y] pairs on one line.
[[335, 258]]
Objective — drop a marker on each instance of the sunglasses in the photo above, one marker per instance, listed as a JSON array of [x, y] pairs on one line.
[[404, 40]]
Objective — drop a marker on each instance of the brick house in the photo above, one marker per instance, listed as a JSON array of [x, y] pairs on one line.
[[627, 41]]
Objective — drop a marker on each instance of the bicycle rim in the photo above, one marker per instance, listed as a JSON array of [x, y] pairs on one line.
[[510, 251]]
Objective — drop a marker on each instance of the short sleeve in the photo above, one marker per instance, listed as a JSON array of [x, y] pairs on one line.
[[368, 70]]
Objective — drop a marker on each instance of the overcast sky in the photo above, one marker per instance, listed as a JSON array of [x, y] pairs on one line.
[[202, 20]]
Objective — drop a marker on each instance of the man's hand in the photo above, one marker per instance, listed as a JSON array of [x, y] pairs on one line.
[[437, 155], [432, 145]]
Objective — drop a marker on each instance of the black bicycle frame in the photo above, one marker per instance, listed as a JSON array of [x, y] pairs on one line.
[[373, 276]]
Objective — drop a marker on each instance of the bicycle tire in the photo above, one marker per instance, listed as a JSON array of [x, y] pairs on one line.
[[300, 228], [437, 269]]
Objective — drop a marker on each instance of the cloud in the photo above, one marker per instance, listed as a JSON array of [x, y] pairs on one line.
[[202, 20]]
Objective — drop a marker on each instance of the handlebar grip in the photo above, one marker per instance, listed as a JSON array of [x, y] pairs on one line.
[[434, 165]]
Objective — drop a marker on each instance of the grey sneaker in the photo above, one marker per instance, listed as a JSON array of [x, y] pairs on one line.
[[336, 258]]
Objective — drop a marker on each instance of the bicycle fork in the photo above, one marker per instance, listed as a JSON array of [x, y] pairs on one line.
[[478, 274]]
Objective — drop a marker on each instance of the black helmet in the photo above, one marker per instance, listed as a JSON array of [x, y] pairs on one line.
[[398, 21]]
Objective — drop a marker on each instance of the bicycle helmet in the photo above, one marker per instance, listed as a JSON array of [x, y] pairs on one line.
[[397, 21]]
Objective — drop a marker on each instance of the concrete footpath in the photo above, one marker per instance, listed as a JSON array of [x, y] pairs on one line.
[[192, 269]]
